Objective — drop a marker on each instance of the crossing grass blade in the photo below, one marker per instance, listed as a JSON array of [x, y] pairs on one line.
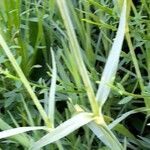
[[125, 115], [105, 135], [76, 53], [63, 130]]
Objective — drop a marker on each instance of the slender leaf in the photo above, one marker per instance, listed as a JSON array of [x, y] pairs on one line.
[[77, 53], [63, 130], [110, 69], [15, 131], [24, 79], [105, 135], [125, 100], [51, 101]]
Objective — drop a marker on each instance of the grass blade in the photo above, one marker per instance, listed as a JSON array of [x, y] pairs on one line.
[[63, 130], [22, 139], [77, 53], [24, 80], [51, 101], [125, 115], [101, 7], [110, 69], [15, 131]]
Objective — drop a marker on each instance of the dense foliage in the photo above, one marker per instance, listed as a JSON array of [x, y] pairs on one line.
[[75, 73]]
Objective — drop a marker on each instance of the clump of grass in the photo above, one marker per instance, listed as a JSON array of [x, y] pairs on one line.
[[74, 74]]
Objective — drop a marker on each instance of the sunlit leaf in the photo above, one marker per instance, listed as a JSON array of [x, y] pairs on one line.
[[63, 130], [110, 69], [15, 131], [51, 99]]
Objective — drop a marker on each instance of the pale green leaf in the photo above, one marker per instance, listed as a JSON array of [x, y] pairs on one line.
[[76, 53], [105, 135], [51, 100], [22, 138], [24, 79], [110, 69], [63, 130], [15, 131], [125, 115], [125, 100]]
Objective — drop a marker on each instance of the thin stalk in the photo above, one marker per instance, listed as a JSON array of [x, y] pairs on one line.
[[77, 54], [110, 69], [131, 48], [135, 62], [137, 68]]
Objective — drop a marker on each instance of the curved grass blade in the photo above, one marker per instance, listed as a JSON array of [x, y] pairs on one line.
[[63, 130], [125, 115], [110, 69], [15, 131], [22, 139], [30, 118]]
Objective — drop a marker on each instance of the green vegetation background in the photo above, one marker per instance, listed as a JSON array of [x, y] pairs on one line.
[[58, 68]]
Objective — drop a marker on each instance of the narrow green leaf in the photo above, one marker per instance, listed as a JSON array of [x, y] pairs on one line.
[[31, 121], [102, 7], [117, 6], [125, 100], [100, 24], [125, 115], [110, 69], [24, 80], [146, 140], [105, 135], [63, 130], [147, 58], [51, 101]]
